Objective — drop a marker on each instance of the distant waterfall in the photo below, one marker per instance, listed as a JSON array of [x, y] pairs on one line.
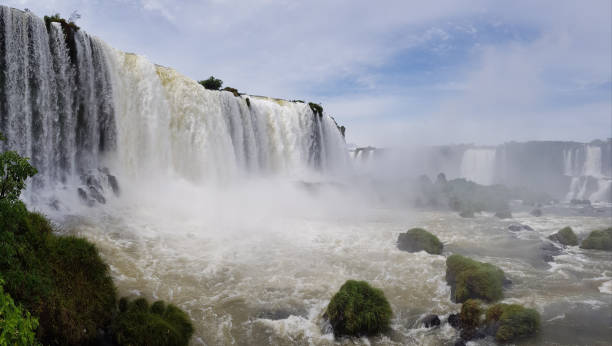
[[75, 105], [478, 165], [585, 165]]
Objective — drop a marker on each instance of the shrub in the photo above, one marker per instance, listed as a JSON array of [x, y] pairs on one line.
[[599, 240], [316, 108], [473, 279], [17, 327], [56, 18], [418, 239], [565, 236], [359, 309], [14, 170], [211, 83], [159, 324], [510, 322]]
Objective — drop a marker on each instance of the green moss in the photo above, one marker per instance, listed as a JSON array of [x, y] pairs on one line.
[[56, 18], [565, 236], [470, 314], [159, 324], [471, 279], [599, 240], [316, 108], [512, 322], [418, 239], [359, 309]]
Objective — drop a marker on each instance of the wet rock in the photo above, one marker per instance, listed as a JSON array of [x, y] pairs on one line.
[[565, 236], [454, 321], [519, 227], [549, 250], [114, 184], [504, 214], [430, 321], [418, 239], [536, 212], [467, 214], [55, 204], [96, 195], [82, 194], [507, 282], [580, 202]]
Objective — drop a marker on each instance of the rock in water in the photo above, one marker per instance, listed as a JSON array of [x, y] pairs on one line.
[[566, 237], [418, 239], [504, 214], [598, 240], [536, 212], [430, 321]]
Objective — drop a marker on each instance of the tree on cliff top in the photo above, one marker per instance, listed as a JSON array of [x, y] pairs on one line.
[[211, 83]]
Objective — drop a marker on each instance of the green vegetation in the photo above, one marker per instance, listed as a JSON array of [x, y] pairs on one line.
[[359, 309], [60, 280], [316, 108], [298, 101], [14, 170], [232, 90], [159, 324], [17, 327], [471, 279], [418, 239], [599, 240], [511, 322], [565, 236], [211, 83], [56, 18]]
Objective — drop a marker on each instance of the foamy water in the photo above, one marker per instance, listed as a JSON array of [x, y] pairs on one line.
[[250, 272]]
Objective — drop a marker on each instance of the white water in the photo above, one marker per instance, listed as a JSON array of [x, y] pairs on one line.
[[585, 173], [478, 165]]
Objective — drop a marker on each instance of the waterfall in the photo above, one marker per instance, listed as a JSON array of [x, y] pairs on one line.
[[585, 166], [55, 109], [478, 165], [76, 106]]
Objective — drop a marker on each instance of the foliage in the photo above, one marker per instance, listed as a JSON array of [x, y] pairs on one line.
[[211, 83], [359, 309], [599, 240], [473, 279], [17, 327], [60, 280], [14, 170], [316, 108], [159, 324], [418, 239], [565, 236], [56, 18], [232, 90], [513, 321], [470, 314]]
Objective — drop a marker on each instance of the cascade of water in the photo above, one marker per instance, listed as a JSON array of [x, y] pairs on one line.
[[478, 165], [75, 105]]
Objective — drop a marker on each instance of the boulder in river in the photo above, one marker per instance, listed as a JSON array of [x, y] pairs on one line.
[[471, 279], [418, 239], [599, 240], [430, 321], [565, 236]]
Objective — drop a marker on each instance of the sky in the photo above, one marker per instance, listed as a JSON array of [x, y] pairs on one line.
[[395, 73]]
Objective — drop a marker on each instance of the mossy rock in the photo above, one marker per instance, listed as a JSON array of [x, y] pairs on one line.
[[233, 91], [316, 108], [359, 309], [418, 239], [471, 279], [599, 240], [471, 313], [137, 324], [565, 236], [511, 321]]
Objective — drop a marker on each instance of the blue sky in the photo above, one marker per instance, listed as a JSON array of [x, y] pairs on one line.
[[396, 73]]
